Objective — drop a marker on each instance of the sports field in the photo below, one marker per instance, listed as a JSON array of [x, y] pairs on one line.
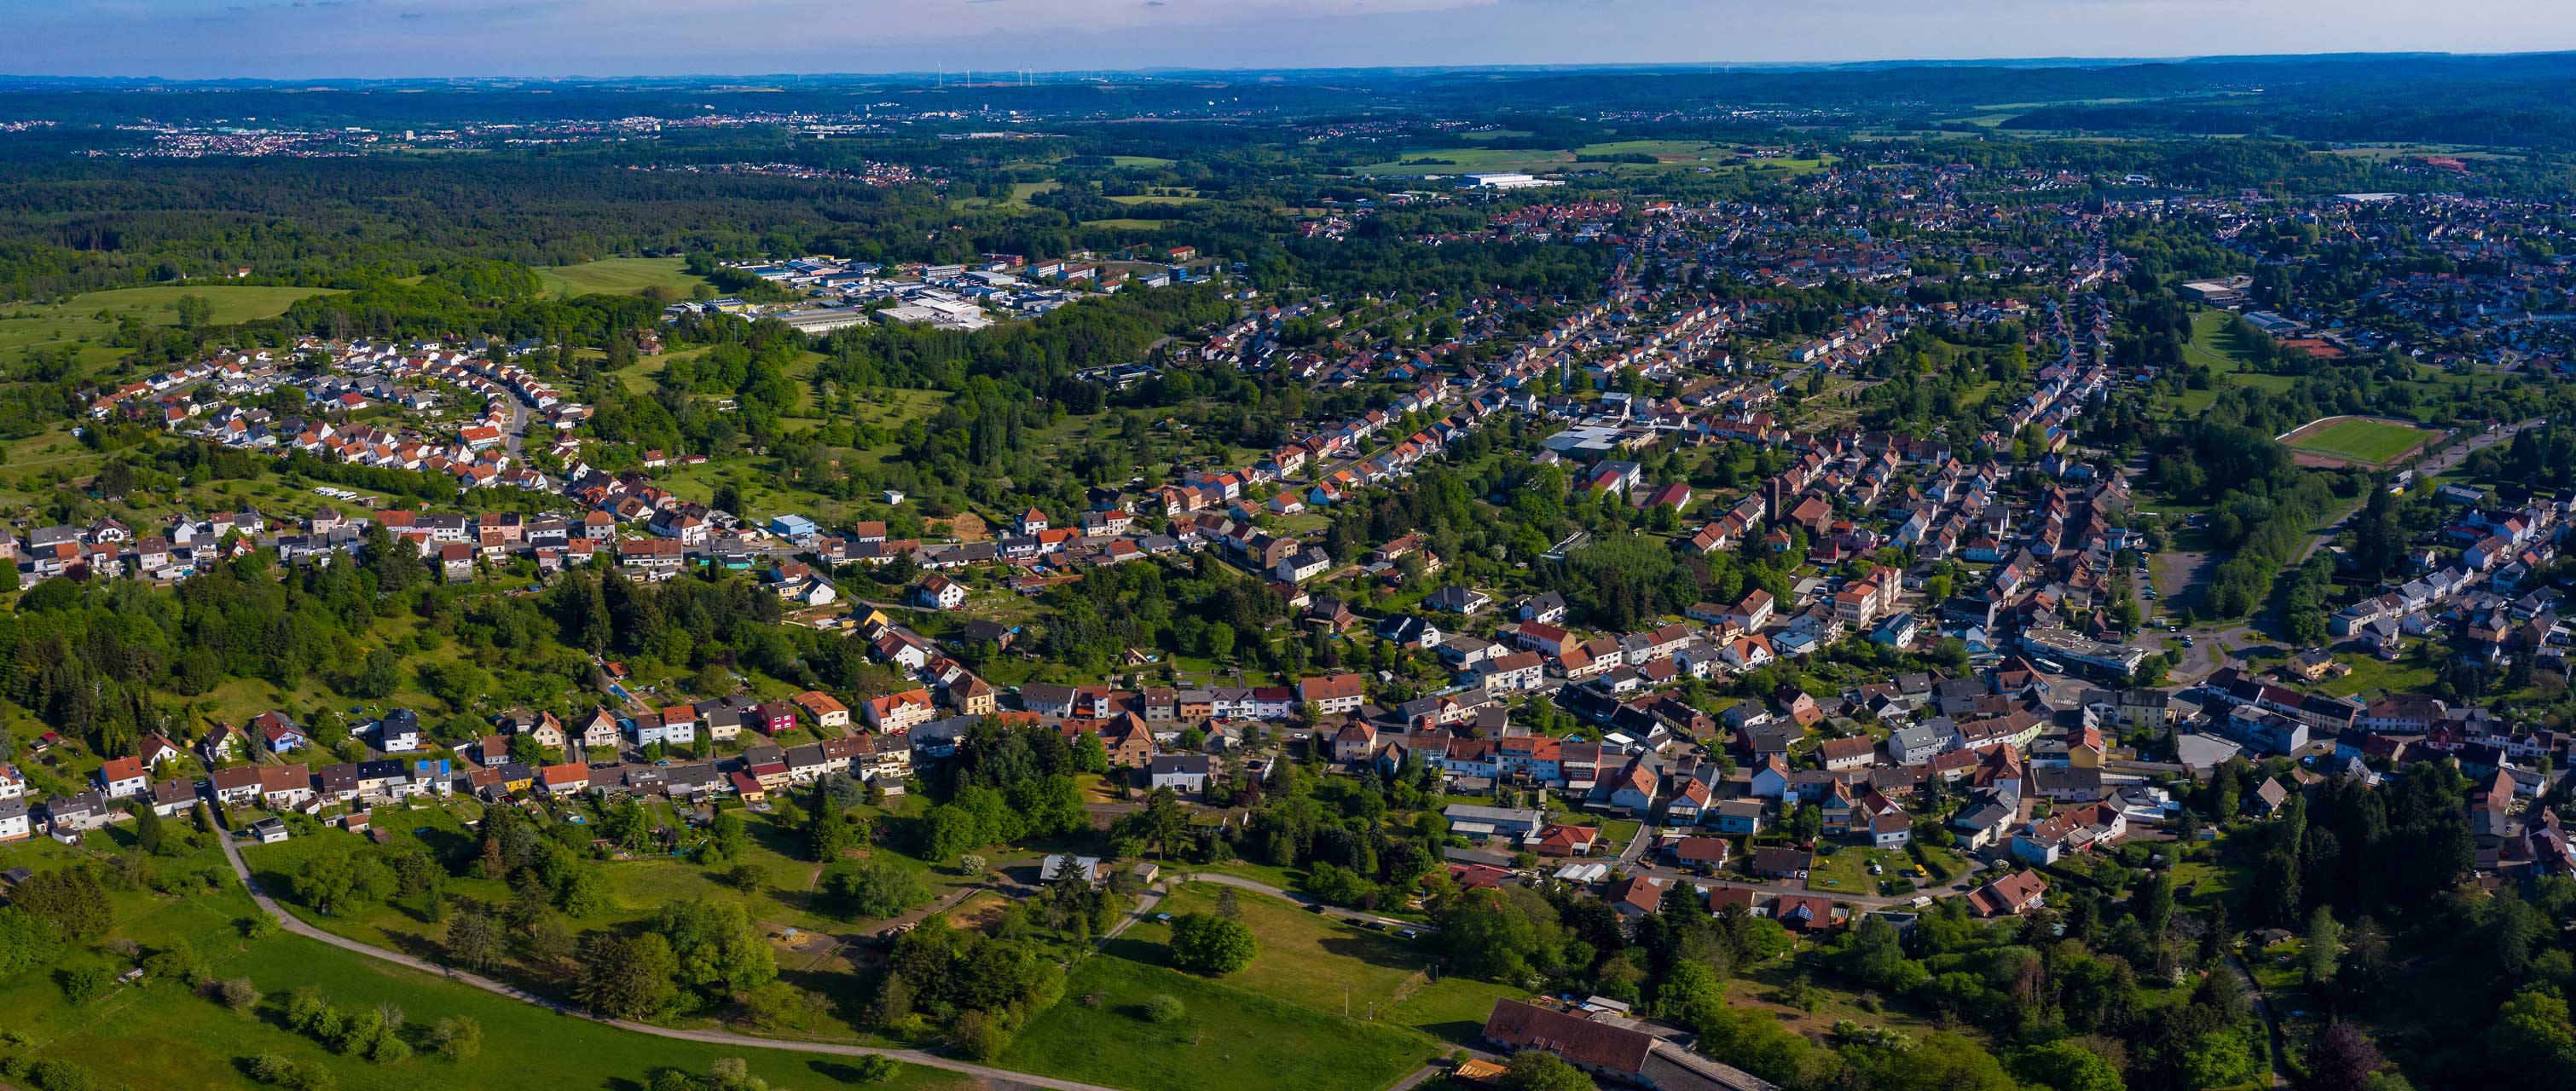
[[2357, 439]]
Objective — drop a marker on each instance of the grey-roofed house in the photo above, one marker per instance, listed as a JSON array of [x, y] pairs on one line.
[[1919, 743], [2067, 783], [1506, 821]]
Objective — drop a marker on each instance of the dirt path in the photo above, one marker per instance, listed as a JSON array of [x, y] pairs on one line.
[[2271, 1024]]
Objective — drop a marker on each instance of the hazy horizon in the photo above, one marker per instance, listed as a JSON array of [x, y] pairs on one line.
[[388, 39]]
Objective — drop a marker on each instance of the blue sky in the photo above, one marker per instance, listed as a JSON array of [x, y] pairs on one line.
[[378, 38]]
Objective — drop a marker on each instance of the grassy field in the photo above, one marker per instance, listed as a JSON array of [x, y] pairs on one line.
[[1017, 201], [1158, 199], [618, 276], [2376, 442], [1667, 153], [637, 889], [2213, 347], [1766, 988], [2371, 674], [1139, 161], [1125, 223], [766, 492], [1230, 1037], [2385, 152], [159, 1034], [44, 325], [1316, 961]]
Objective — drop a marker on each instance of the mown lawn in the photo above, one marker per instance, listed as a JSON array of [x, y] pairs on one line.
[[1846, 871], [1229, 1037], [2210, 876], [2371, 674]]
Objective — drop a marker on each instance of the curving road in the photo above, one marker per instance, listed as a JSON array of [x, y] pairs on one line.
[[289, 922]]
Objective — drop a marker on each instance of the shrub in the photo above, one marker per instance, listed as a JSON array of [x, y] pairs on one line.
[[458, 1037], [979, 1035], [86, 983], [55, 1075], [871, 1069], [177, 962], [237, 994], [306, 1010], [875, 889], [1164, 1008], [1212, 944], [308, 1076], [388, 1047]]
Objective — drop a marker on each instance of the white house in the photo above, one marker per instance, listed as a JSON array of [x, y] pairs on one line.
[[1184, 773]]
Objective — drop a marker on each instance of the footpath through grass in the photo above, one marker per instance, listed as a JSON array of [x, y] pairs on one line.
[[162, 1035]]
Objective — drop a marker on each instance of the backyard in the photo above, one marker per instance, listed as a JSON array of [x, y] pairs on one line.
[[1845, 870]]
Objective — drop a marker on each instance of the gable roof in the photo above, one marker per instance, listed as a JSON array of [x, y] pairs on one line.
[[1582, 1041]]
